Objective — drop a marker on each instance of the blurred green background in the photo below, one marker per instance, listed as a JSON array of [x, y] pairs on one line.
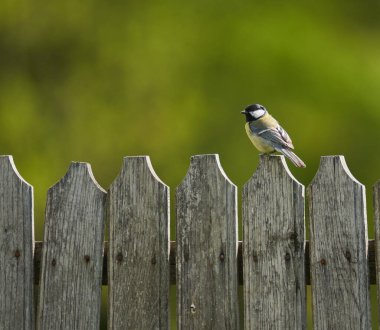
[[95, 81]]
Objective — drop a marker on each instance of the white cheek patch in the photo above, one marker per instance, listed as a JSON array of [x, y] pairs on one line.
[[257, 113]]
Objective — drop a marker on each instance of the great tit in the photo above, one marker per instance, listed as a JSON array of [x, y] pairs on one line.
[[267, 135]]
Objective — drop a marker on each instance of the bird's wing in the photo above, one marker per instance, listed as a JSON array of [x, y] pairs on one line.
[[277, 136]]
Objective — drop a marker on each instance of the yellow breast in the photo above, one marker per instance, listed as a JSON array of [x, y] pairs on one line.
[[260, 144]]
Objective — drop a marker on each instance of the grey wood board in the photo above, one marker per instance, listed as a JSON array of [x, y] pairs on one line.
[[138, 263], [70, 287], [376, 206], [206, 247], [273, 248], [16, 248], [338, 248]]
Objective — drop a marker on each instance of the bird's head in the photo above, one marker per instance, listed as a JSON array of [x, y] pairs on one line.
[[254, 112]]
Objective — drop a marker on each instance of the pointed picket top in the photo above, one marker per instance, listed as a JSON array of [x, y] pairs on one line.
[[142, 162], [338, 247], [73, 244], [16, 253], [77, 171], [138, 263], [207, 162], [206, 206], [7, 165], [273, 247], [272, 163], [337, 163]]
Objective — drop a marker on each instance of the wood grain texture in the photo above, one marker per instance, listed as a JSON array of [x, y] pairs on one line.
[[206, 248], [70, 287], [172, 262], [138, 248], [338, 248], [16, 248], [376, 206], [273, 248]]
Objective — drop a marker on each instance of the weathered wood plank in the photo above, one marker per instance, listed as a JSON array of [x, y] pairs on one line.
[[70, 290], [138, 248], [376, 206], [338, 248], [16, 248], [206, 248], [273, 248]]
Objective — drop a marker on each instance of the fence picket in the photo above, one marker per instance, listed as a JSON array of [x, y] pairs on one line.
[[206, 247], [273, 248], [376, 206], [70, 286], [338, 248], [138, 260], [16, 248]]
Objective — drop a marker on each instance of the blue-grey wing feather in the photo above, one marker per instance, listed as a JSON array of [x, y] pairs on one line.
[[277, 136]]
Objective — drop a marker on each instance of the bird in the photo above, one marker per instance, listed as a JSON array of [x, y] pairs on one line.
[[267, 135]]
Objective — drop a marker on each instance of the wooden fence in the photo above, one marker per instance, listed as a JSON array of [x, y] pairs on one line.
[[273, 262]]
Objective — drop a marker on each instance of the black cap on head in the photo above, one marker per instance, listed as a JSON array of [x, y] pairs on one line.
[[254, 107], [254, 112]]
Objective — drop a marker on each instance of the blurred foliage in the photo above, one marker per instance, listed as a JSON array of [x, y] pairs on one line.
[[95, 81]]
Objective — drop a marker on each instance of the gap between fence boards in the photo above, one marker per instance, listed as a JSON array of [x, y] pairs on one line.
[[172, 261]]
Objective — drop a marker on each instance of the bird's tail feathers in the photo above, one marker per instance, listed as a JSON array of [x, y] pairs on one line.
[[293, 157]]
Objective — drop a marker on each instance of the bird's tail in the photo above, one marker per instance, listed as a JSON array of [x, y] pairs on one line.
[[293, 157]]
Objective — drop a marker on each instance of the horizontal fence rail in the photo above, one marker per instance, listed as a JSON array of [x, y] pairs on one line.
[[56, 284]]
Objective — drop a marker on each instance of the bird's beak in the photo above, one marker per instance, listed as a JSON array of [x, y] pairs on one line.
[[243, 112]]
